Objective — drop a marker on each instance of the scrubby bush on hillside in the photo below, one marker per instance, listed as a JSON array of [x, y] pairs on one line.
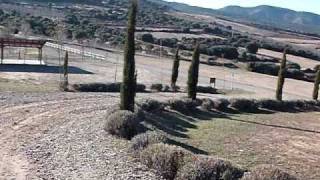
[[252, 48], [268, 172], [279, 47], [148, 138], [228, 52], [206, 167], [165, 159], [264, 68], [147, 38], [122, 124]]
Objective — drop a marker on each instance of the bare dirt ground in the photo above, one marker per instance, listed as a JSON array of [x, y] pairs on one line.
[[61, 136], [157, 70], [180, 35]]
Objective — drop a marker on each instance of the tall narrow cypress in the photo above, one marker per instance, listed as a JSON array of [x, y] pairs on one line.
[[193, 73], [175, 70], [65, 83], [316, 85], [128, 85], [281, 76]]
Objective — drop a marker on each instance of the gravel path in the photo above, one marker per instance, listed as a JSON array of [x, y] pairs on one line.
[[61, 136]]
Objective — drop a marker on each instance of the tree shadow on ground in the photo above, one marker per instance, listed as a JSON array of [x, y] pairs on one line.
[[40, 69], [177, 123]]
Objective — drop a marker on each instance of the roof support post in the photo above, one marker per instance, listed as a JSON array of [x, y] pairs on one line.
[[40, 55]]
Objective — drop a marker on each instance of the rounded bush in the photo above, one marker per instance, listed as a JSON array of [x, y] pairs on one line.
[[156, 87], [182, 105], [270, 104], [207, 90], [221, 104], [266, 172], [143, 140], [165, 159], [150, 105], [252, 48], [206, 167], [246, 105], [207, 104], [122, 124]]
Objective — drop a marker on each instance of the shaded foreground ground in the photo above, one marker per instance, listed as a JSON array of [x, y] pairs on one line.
[[288, 140]]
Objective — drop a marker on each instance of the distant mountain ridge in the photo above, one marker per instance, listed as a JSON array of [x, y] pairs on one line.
[[264, 14], [282, 17]]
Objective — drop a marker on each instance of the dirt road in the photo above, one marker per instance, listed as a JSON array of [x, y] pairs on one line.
[[61, 136]]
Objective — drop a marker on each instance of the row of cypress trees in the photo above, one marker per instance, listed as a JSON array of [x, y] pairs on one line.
[[128, 86], [129, 81], [281, 79]]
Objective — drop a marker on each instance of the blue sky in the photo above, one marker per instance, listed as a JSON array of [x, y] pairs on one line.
[[298, 5]]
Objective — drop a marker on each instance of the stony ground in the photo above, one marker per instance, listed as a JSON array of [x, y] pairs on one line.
[[61, 136]]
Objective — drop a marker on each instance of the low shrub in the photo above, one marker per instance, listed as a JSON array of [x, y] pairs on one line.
[[228, 52], [207, 104], [182, 105], [143, 140], [271, 104], [166, 88], [263, 68], [112, 109], [246, 105], [150, 105], [101, 87], [122, 124], [156, 87], [266, 172], [206, 167], [221, 104], [165, 159], [206, 89], [252, 47]]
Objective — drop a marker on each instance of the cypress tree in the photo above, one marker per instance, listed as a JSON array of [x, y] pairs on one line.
[[175, 70], [281, 76], [193, 73], [128, 85], [65, 83], [316, 85]]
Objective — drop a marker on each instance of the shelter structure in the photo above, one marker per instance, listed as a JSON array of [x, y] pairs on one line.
[[17, 42]]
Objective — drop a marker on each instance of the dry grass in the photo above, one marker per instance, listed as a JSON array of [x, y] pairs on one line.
[[25, 86], [251, 140]]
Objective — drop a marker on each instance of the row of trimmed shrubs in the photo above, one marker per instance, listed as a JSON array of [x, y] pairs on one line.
[[103, 87], [252, 105], [124, 124], [172, 162], [115, 87]]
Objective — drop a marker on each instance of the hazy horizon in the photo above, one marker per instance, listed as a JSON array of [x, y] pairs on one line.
[[297, 5]]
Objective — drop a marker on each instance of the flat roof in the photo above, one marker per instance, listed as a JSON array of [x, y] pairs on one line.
[[18, 42]]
